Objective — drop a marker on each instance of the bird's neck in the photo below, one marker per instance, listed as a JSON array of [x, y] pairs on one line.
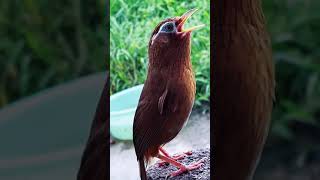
[[174, 68], [170, 62]]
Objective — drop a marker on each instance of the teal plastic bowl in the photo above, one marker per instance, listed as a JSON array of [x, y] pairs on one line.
[[122, 109]]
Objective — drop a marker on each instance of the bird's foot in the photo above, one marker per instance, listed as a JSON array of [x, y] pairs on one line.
[[175, 157], [184, 168], [188, 153]]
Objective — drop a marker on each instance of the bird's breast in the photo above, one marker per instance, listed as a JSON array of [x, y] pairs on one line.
[[182, 95]]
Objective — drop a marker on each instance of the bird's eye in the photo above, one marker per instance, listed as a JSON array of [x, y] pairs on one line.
[[168, 27]]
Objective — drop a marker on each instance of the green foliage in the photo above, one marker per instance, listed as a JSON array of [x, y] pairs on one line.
[[294, 28], [132, 23], [43, 43]]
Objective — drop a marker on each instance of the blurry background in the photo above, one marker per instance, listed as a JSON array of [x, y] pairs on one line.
[[48, 43], [131, 25], [293, 148]]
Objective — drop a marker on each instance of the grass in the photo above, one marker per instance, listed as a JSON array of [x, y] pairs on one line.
[[294, 29], [131, 25]]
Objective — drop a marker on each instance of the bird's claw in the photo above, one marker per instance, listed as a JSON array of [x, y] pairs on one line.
[[190, 167], [181, 156], [188, 153], [175, 157], [178, 157]]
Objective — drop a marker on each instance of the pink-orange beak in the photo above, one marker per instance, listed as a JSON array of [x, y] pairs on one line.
[[184, 18]]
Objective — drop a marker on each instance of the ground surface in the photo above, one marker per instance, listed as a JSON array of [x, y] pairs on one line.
[[195, 135]]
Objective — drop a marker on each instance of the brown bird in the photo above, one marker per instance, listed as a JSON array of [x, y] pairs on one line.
[[168, 93], [243, 89]]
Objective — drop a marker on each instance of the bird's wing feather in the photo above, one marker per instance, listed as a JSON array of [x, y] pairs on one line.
[[161, 101], [149, 119]]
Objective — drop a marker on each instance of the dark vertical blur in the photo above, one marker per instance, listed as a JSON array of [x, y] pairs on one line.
[[292, 151], [53, 59]]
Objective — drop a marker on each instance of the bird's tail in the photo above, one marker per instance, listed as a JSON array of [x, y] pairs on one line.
[[142, 168]]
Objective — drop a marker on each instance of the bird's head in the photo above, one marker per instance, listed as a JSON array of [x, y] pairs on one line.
[[170, 42]]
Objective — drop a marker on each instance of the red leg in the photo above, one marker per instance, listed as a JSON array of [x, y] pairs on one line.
[[164, 152], [182, 168], [175, 157]]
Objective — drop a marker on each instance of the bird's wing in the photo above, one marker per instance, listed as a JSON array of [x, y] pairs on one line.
[[149, 119]]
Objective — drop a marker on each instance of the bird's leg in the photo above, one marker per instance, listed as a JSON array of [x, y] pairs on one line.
[[164, 152], [182, 168], [175, 157]]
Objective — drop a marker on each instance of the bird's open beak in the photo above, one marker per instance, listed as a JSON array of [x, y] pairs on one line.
[[184, 18]]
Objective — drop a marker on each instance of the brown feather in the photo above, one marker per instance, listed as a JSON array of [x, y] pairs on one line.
[[243, 89]]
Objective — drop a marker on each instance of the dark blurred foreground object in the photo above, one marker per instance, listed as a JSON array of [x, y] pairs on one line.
[[94, 159], [155, 172], [43, 135], [243, 88]]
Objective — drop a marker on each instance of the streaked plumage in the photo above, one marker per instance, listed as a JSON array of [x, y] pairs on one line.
[[243, 87]]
